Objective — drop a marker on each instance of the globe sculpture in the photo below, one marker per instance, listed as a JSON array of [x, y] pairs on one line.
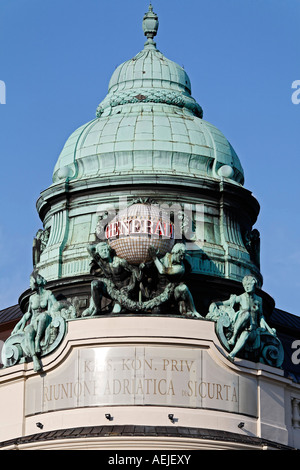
[[136, 228]]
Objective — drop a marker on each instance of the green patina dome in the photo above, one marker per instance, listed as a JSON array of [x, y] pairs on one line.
[[148, 123], [149, 142]]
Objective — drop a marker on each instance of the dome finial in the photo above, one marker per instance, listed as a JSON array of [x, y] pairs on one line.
[[150, 26]]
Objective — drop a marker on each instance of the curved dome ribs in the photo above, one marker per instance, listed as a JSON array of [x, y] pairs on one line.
[[149, 108]]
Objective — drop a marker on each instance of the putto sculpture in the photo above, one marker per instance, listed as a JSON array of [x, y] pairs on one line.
[[116, 280], [41, 328], [171, 268], [242, 328], [140, 268], [152, 287]]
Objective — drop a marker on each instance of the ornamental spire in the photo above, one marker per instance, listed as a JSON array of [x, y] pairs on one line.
[[150, 26]]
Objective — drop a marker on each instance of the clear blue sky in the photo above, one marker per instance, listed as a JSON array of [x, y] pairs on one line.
[[242, 56]]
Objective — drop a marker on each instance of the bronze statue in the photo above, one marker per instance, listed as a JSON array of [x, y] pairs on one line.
[[241, 326], [144, 288], [116, 278], [171, 269], [38, 313], [40, 329], [39, 244]]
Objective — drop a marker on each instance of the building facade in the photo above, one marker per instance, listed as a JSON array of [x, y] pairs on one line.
[[146, 325]]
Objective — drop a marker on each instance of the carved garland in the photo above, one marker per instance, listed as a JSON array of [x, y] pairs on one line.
[[144, 95]]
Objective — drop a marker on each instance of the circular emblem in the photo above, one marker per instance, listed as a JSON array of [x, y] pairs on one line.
[[136, 228]]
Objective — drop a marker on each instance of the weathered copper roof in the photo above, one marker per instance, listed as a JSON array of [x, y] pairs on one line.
[[148, 123], [285, 319], [10, 313], [287, 326], [145, 431]]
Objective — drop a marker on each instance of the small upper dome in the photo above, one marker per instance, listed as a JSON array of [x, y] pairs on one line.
[[148, 123], [150, 77], [153, 70]]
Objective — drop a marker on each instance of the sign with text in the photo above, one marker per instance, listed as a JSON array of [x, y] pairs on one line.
[[162, 376]]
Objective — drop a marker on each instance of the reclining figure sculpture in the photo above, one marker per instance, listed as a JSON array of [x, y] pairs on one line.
[[41, 328], [242, 328]]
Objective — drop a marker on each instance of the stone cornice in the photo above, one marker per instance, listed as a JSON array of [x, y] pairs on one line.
[[233, 195]]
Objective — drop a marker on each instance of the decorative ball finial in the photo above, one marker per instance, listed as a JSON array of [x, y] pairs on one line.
[[150, 25]]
